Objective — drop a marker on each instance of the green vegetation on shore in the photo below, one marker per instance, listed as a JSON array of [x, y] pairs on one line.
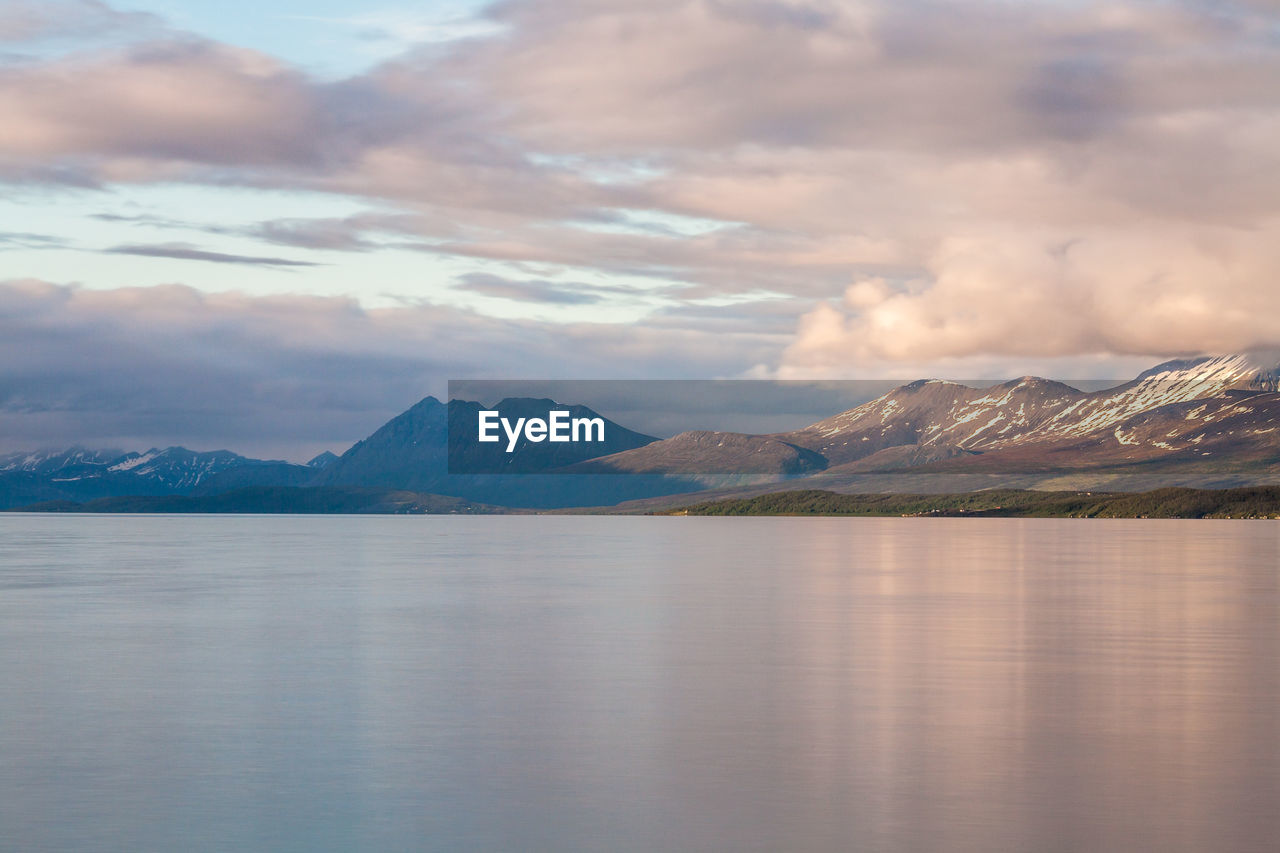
[[1252, 502]]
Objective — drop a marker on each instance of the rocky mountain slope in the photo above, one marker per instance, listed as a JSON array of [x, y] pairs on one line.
[[1030, 410], [1207, 417]]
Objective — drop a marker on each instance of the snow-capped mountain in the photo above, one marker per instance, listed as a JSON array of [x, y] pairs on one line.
[[1033, 411], [79, 473], [178, 468], [175, 467], [55, 461], [1219, 410]]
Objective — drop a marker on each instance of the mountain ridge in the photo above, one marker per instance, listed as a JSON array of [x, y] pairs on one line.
[[1193, 407], [1209, 420]]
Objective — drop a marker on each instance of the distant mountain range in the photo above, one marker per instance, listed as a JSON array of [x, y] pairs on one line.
[[81, 474], [1182, 409], [1207, 422], [409, 453]]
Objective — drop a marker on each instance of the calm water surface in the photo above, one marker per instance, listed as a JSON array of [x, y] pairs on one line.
[[638, 684]]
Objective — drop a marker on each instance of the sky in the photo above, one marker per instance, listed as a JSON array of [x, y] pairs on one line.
[[271, 226]]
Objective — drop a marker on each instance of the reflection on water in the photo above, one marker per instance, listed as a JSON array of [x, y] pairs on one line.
[[553, 683]]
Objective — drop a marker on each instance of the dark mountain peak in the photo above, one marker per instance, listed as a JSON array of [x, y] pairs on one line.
[[539, 406], [428, 409], [427, 415], [541, 402], [322, 460], [412, 450], [428, 402], [178, 452]]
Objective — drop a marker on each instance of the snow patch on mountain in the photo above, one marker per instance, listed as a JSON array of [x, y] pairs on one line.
[[1032, 411], [134, 460]]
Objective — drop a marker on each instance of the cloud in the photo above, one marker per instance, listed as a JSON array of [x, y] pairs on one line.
[[142, 112], [26, 239], [693, 74], [327, 234], [32, 20], [288, 375], [1035, 180], [773, 315], [185, 252], [1133, 292], [363, 232], [545, 292]]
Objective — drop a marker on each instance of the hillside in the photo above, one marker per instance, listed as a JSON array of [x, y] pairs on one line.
[[1211, 422], [1262, 502]]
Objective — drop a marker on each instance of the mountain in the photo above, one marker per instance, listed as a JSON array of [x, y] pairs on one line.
[[1205, 421], [322, 460], [79, 474], [701, 452], [407, 452], [412, 452], [176, 468], [53, 462], [1026, 411], [1178, 400], [1210, 422], [255, 473]]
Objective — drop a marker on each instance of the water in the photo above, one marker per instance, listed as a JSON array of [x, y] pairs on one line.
[[638, 684]]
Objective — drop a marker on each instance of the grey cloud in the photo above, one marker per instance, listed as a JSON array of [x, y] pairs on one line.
[[692, 75], [358, 233], [55, 177], [184, 252], [1076, 98], [33, 20], [777, 316], [135, 112], [268, 375], [143, 219], [25, 239], [348, 234], [330, 235], [776, 13], [540, 291]]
